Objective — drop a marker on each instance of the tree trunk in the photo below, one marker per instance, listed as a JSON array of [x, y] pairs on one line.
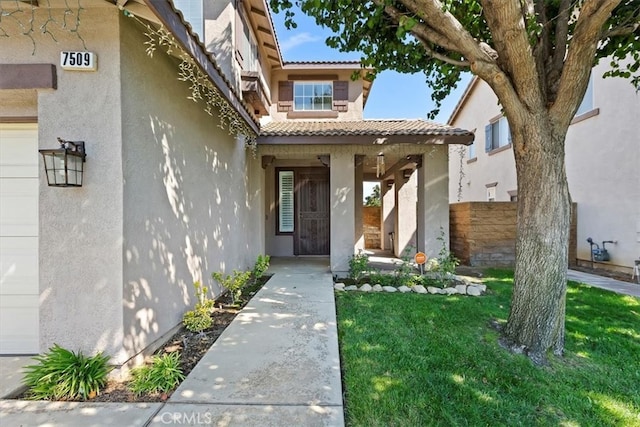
[[536, 319]]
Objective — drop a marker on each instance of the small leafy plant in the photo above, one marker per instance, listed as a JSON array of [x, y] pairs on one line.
[[446, 263], [404, 271], [64, 375], [199, 319], [358, 266], [161, 376], [260, 267], [233, 282]]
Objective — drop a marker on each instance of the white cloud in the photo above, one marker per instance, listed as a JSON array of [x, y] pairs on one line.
[[297, 40]]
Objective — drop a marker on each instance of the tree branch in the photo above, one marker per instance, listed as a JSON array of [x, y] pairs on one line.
[[621, 31], [508, 26], [579, 61], [443, 58], [425, 35]]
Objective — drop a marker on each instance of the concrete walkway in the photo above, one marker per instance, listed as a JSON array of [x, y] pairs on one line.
[[277, 364], [607, 283]]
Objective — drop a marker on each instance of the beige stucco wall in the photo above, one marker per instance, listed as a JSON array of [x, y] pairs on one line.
[[168, 196], [192, 195], [602, 158], [80, 228], [220, 38], [355, 109]]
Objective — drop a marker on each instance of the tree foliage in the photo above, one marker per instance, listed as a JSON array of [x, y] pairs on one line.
[[443, 39], [373, 199]]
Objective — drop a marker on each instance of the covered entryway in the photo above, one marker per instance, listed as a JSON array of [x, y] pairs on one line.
[[18, 239]]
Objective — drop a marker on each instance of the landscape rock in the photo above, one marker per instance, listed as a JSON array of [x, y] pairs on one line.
[[377, 288], [389, 289], [339, 286], [419, 289], [483, 288], [404, 289], [351, 288], [365, 288], [450, 291], [433, 290], [474, 291], [462, 289]]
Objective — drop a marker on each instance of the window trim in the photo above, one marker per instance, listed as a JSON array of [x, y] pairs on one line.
[[312, 82], [278, 199], [488, 143]]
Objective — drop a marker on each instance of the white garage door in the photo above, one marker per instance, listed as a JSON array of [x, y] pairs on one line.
[[18, 238]]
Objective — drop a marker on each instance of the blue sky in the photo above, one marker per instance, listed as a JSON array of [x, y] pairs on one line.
[[393, 95]]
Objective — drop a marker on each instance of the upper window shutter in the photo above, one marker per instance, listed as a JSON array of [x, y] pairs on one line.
[[340, 95], [285, 96], [488, 137]]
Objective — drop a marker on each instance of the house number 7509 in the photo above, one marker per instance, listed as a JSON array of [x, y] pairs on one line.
[[82, 61]]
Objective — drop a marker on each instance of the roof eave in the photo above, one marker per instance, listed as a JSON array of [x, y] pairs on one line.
[[364, 139], [463, 99]]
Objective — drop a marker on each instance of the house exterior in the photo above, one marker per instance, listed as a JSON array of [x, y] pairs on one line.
[[269, 159], [602, 164]]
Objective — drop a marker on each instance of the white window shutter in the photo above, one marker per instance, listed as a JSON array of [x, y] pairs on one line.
[[285, 202]]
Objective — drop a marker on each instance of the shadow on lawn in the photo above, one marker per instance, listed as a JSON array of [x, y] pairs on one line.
[[435, 360]]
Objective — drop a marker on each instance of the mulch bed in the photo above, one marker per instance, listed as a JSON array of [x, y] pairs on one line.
[[191, 345]]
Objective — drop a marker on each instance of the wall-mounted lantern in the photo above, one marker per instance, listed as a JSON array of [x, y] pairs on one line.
[[64, 166]]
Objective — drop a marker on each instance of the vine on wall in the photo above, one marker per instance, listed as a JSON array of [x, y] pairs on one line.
[[23, 14], [201, 88]]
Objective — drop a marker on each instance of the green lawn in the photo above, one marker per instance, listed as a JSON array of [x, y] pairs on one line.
[[420, 360]]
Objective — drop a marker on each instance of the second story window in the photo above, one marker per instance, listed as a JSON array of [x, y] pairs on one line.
[[312, 96], [497, 134], [587, 101]]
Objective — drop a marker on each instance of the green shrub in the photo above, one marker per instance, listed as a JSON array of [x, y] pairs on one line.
[[199, 319], [447, 262], [358, 265], [161, 376], [64, 375], [233, 282], [260, 267]]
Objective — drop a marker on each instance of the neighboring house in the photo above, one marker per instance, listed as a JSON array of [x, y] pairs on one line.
[[272, 161], [602, 163]]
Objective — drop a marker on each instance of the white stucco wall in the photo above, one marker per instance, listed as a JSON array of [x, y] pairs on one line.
[[602, 163], [480, 107], [80, 228], [192, 195]]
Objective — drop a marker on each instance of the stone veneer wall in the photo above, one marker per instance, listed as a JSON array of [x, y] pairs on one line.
[[371, 223], [483, 234]]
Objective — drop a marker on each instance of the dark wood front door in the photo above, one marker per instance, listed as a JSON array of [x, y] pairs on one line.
[[312, 205]]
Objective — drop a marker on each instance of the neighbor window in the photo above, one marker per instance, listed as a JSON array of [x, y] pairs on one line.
[[497, 134], [312, 96], [192, 12], [285, 202], [587, 100], [471, 149]]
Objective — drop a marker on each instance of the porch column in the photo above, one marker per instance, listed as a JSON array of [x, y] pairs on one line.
[[405, 201], [433, 200], [343, 224], [387, 219], [359, 226]]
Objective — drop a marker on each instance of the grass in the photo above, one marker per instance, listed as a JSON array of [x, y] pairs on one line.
[[414, 360]]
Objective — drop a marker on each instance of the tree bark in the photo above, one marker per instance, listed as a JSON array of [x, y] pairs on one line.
[[536, 319]]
